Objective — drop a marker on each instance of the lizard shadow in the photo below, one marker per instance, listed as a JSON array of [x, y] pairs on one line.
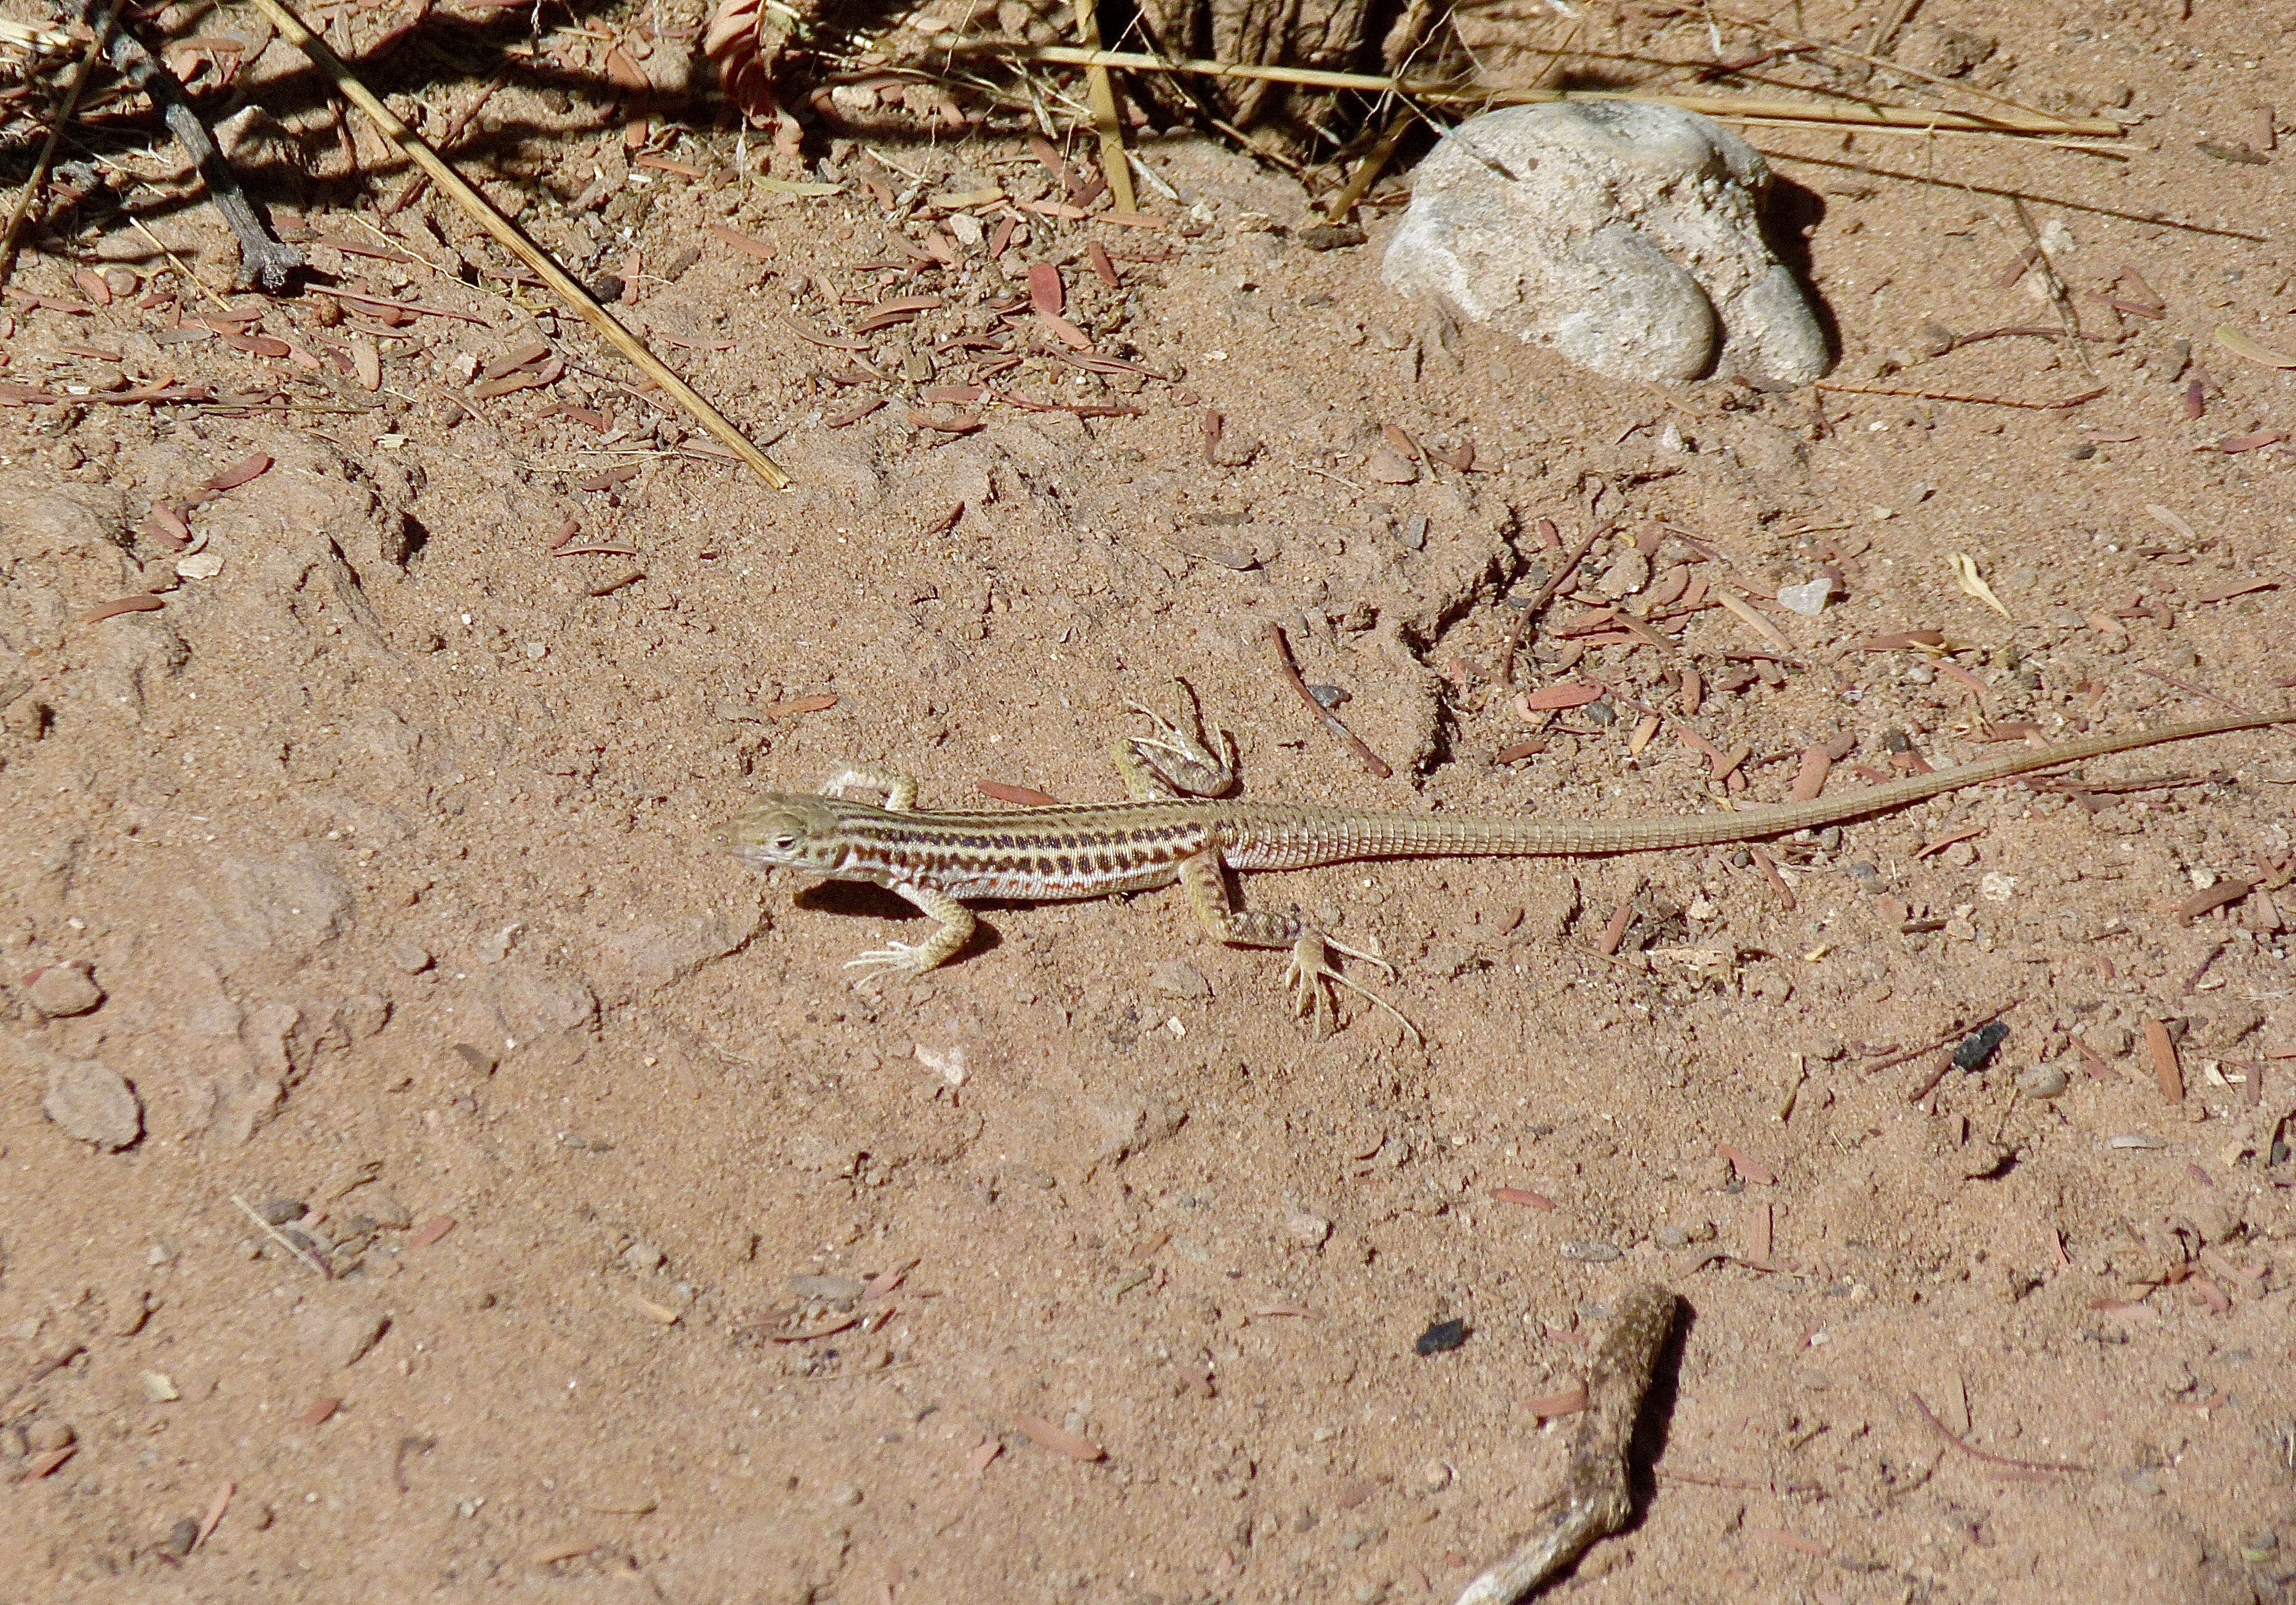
[[862, 899]]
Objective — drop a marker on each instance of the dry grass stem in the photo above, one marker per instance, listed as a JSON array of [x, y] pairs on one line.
[[1781, 113], [511, 239]]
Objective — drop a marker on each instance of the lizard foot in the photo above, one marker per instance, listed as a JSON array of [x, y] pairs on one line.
[[894, 959], [1176, 752], [1313, 980]]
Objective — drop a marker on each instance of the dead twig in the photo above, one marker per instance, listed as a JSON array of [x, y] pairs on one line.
[[1546, 593], [306, 1256], [263, 259], [1919, 119], [38, 182], [461, 125], [2047, 1468], [1987, 401], [513, 239], [1377, 765]]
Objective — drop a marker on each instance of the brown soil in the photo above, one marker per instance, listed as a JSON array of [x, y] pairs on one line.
[[388, 846]]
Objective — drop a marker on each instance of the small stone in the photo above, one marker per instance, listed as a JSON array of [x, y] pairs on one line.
[[1413, 536], [1434, 1475], [1177, 979], [845, 1494], [181, 1536], [385, 1211], [282, 1211], [1308, 1230], [643, 1258], [60, 991], [1591, 1252], [126, 1309], [1808, 599], [1441, 1337], [411, 958], [1627, 575], [1329, 236], [45, 1436], [1387, 466], [94, 1103], [1672, 1238], [350, 1339], [2041, 1080]]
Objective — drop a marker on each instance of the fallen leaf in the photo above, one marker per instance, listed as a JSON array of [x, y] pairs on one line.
[[1045, 1436], [2171, 520], [2232, 340], [1973, 583]]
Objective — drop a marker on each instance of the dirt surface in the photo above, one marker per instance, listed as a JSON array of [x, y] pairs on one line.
[[613, 1247]]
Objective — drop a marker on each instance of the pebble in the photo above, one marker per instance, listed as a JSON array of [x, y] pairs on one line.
[[1308, 1230], [1808, 599], [1387, 466], [181, 1536], [1175, 979], [1434, 1475], [280, 1211], [1592, 1253], [94, 1103], [350, 1339], [1627, 575], [2042, 1080], [845, 1494], [46, 1435], [643, 1258], [1441, 1337], [1627, 236], [411, 958], [386, 1212], [62, 990]]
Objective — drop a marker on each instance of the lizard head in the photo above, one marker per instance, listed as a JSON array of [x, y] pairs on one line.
[[790, 830]]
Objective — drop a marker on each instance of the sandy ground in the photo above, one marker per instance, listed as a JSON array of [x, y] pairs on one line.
[[498, 1190]]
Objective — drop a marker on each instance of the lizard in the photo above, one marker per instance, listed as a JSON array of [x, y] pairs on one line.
[[1180, 825]]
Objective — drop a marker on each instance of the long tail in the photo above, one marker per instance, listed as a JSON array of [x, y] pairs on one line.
[[1435, 836]]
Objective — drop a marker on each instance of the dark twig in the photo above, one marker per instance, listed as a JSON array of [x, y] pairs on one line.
[[38, 182], [461, 125], [1946, 1040], [1546, 594], [1984, 401], [2050, 1468], [263, 257], [1283, 660]]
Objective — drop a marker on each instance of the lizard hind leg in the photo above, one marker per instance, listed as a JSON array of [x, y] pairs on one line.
[[1311, 978], [1175, 761]]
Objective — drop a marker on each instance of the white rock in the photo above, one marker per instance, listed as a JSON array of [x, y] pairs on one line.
[[1808, 599], [1624, 235]]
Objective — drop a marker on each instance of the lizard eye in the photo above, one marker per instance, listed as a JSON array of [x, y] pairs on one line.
[[784, 843]]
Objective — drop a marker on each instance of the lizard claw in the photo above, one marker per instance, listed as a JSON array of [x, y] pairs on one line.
[[893, 959], [1177, 753], [1313, 980]]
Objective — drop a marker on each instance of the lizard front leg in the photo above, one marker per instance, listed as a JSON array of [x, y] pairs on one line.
[[1175, 761], [898, 791], [911, 959], [1311, 976]]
